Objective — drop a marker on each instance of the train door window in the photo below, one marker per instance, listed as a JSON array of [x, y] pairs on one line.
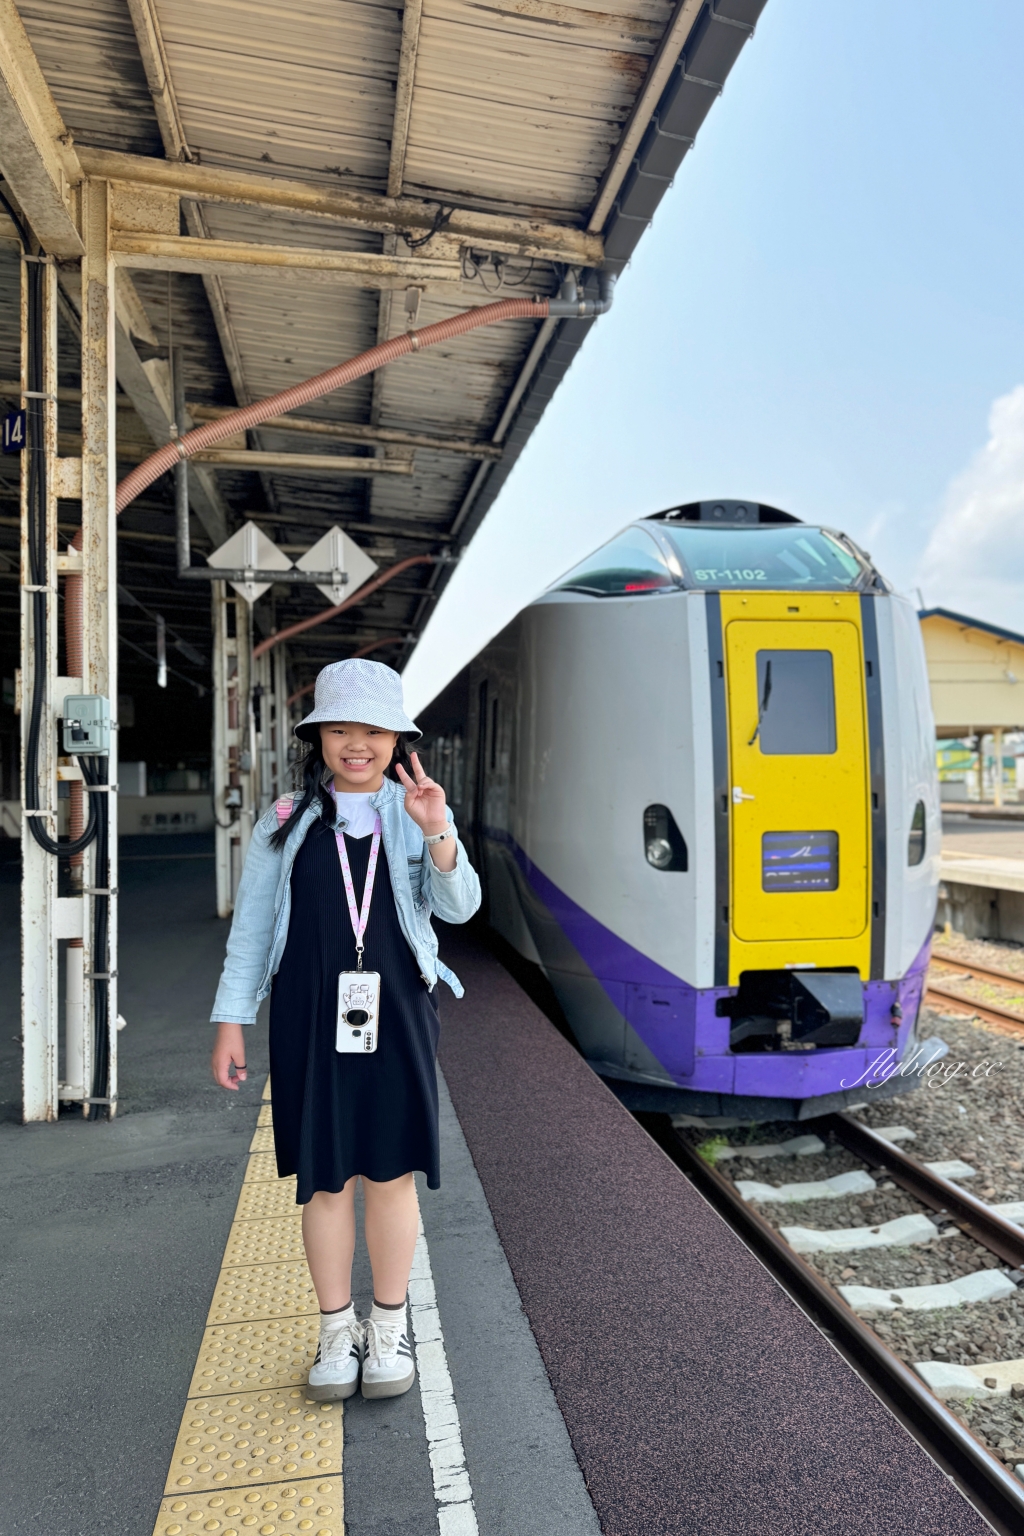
[[664, 844], [916, 841], [796, 712], [630, 565]]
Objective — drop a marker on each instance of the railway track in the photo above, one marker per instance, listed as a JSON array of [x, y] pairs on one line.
[[942, 996], [993, 1488]]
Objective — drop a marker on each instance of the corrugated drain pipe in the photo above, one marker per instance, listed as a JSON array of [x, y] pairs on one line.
[[250, 416], [569, 305]]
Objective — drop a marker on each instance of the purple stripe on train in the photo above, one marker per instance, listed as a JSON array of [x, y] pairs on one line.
[[679, 1025]]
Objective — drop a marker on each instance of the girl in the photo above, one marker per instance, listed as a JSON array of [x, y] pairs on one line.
[[333, 919]]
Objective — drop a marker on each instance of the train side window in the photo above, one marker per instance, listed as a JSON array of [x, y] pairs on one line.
[[631, 564], [796, 703], [916, 841], [664, 844]]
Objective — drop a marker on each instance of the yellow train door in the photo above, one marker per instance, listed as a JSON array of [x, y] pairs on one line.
[[798, 782]]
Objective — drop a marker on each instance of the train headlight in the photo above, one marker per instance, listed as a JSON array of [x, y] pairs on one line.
[[659, 852], [664, 844]]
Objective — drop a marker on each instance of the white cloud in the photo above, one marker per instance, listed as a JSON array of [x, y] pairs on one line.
[[974, 561]]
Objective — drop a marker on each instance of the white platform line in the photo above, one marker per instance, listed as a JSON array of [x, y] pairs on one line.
[[456, 1515]]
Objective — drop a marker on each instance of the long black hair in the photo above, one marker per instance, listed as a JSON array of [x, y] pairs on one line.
[[313, 775]]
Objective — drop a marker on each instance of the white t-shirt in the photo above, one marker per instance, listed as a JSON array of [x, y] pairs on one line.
[[357, 811]]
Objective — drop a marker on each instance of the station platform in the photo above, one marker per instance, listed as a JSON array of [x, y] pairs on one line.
[[597, 1351], [982, 873]]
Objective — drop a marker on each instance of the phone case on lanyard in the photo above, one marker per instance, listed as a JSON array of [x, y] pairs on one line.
[[358, 992]]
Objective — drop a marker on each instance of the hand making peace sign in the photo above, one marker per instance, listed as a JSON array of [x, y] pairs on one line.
[[424, 800]]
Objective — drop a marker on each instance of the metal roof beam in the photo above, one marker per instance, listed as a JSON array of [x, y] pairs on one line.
[[662, 65], [411, 18], [10, 389], [36, 157], [172, 131], [357, 269], [158, 78], [146, 386], [356, 432], [337, 431], [302, 463], [513, 234]]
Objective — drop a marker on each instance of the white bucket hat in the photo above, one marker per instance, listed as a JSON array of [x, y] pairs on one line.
[[367, 692]]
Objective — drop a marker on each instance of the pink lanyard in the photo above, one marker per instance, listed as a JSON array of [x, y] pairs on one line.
[[359, 919]]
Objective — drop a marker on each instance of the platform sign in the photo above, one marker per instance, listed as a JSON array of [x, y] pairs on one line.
[[14, 432]]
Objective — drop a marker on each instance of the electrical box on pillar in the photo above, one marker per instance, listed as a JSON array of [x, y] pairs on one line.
[[86, 724]]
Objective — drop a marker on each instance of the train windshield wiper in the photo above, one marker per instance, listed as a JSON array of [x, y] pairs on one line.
[[765, 696]]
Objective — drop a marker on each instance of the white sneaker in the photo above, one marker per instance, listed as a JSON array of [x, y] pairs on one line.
[[334, 1373], [388, 1368]]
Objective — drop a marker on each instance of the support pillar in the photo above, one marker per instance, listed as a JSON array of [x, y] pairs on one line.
[[282, 721], [39, 929], [99, 583], [265, 759], [997, 748], [269, 682], [235, 765]]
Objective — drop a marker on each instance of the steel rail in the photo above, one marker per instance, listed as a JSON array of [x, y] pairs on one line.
[[969, 1213], [995, 1492], [985, 972], [989, 1011]]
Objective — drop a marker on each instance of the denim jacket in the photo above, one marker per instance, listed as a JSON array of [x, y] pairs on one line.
[[259, 929]]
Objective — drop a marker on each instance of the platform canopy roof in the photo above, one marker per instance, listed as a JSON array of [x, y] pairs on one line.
[[294, 182], [976, 672]]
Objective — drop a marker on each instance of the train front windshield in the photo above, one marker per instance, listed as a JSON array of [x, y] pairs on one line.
[[776, 557]]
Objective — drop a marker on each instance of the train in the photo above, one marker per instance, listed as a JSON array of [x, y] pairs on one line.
[[699, 777]]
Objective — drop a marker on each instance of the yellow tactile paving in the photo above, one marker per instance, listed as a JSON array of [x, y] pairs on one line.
[[262, 1166], [241, 1441], [266, 1115], [262, 1290], [266, 1090], [313, 1505], [246, 1356], [275, 1240], [266, 1197], [248, 1423]]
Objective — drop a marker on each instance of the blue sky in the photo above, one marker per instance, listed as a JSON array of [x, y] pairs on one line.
[[826, 315]]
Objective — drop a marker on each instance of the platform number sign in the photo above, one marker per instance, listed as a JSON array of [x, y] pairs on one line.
[[14, 431]]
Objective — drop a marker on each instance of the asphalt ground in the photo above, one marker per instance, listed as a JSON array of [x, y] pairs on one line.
[[697, 1396], [114, 1234], [114, 1231]]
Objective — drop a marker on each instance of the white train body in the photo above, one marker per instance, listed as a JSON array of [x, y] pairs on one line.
[[707, 808]]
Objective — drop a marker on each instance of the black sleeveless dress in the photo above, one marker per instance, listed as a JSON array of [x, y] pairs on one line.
[[336, 1114]]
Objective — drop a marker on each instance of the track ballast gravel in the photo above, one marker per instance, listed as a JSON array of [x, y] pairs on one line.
[[970, 1107]]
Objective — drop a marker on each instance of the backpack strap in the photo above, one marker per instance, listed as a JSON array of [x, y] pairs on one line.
[[284, 808]]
